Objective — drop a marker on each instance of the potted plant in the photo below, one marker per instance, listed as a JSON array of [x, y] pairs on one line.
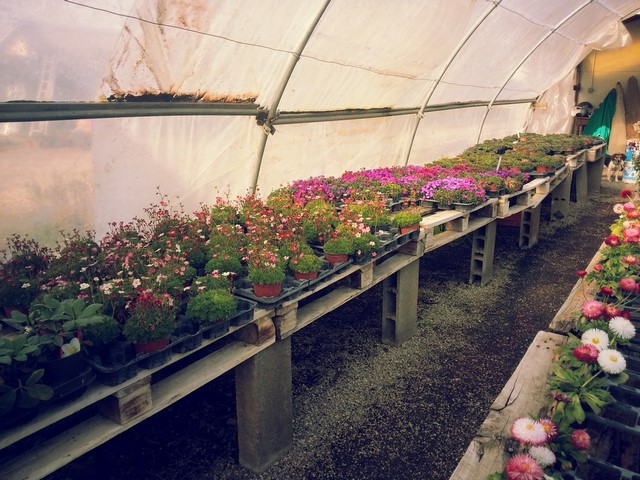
[[365, 247], [211, 306], [151, 321], [58, 327], [20, 272], [407, 220], [265, 268], [305, 264], [21, 387], [337, 249], [449, 191]]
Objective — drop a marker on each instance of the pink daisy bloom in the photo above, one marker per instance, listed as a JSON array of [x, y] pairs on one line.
[[523, 467], [550, 427], [592, 309], [528, 431], [627, 284], [612, 240]]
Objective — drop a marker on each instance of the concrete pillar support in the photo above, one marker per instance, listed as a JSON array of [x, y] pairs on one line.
[[400, 304], [263, 405], [482, 253]]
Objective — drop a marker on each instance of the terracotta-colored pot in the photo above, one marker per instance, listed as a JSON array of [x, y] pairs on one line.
[[409, 228], [153, 346], [334, 258], [305, 275], [267, 290]]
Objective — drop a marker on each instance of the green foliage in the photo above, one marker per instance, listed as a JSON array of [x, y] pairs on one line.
[[305, 262], [55, 322], [211, 306], [405, 218], [339, 245], [266, 275]]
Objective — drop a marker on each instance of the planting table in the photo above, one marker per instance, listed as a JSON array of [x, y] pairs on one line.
[[260, 352]]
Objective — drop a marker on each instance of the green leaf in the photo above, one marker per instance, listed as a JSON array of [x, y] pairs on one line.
[[35, 377], [578, 411], [5, 359], [25, 400], [90, 311], [40, 391]]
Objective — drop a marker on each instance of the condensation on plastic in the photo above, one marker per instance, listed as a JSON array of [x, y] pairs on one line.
[[362, 54]]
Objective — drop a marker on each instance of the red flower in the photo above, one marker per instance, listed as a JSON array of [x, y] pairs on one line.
[[606, 290], [626, 193], [597, 267], [581, 273], [610, 310], [586, 353], [581, 439], [612, 240]]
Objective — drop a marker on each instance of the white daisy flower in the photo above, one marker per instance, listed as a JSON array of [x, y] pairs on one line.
[[622, 327], [611, 361], [543, 455], [528, 431], [596, 337]]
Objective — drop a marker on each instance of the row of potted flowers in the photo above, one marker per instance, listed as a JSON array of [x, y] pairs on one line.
[[137, 280], [589, 365]]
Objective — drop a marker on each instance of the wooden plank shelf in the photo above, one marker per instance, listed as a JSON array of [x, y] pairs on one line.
[[82, 437], [300, 314]]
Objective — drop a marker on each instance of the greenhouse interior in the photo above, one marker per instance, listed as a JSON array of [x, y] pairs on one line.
[[409, 248]]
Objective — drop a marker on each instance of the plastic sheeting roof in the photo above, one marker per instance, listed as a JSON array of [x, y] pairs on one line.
[[335, 84]]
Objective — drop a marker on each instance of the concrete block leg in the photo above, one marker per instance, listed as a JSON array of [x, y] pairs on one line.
[[580, 184], [264, 406], [400, 305], [594, 176], [529, 227], [482, 253], [560, 198]]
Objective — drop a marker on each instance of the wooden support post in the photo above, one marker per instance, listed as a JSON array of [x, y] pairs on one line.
[[482, 252], [579, 184], [594, 176], [529, 227], [263, 406], [560, 198], [400, 304]]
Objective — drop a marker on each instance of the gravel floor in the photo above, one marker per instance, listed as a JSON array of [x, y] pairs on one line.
[[363, 410]]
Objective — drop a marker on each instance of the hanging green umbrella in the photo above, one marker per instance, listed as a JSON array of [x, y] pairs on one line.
[[599, 124]]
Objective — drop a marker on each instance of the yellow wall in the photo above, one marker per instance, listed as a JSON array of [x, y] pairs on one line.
[[601, 70]]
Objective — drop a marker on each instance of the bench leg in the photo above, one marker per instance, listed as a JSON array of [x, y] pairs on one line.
[[400, 305], [263, 406]]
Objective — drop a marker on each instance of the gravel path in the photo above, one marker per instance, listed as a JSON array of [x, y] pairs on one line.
[[364, 410]]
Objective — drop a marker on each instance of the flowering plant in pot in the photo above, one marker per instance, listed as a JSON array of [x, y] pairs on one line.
[[305, 264], [338, 248], [151, 321], [450, 190], [21, 268]]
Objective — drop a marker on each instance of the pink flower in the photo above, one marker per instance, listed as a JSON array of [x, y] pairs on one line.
[[629, 259], [629, 207], [597, 267], [523, 467], [581, 439], [631, 235], [633, 214], [581, 273], [550, 427], [612, 240], [586, 353], [627, 284], [592, 309]]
